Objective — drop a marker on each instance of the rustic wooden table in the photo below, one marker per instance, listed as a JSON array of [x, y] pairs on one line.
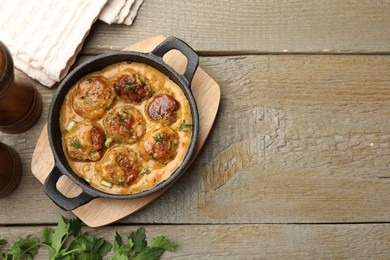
[[297, 164]]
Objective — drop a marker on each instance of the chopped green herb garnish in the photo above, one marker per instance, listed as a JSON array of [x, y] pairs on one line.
[[144, 170], [76, 143], [119, 158], [170, 145], [89, 102], [127, 131], [108, 142], [185, 125], [121, 181], [94, 155], [159, 138], [86, 95], [70, 126], [130, 86], [106, 184]]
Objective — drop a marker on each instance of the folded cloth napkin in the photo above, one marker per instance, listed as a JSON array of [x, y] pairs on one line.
[[44, 36], [120, 11]]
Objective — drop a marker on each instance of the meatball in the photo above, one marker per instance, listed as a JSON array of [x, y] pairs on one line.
[[120, 166], [160, 144], [92, 97], [163, 109], [132, 87], [84, 141], [125, 124]]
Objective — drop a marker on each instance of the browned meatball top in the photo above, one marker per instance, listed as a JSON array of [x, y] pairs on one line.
[[119, 166], [125, 124], [132, 87], [92, 97], [162, 108], [160, 144], [84, 141]]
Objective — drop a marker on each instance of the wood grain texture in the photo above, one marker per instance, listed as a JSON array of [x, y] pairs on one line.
[[253, 241], [229, 26], [298, 138]]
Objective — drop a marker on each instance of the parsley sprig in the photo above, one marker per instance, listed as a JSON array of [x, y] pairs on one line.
[[67, 242], [25, 248], [137, 247]]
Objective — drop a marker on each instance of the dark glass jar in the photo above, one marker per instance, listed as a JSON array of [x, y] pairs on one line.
[[10, 169], [20, 102]]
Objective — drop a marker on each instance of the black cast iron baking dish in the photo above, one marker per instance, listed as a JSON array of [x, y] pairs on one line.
[[154, 59]]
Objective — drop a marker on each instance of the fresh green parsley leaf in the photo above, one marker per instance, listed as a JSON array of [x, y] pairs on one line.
[[138, 237], [150, 254], [130, 86], [25, 248], [161, 241], [3, 242], [121, 251], [74, 225], [66, 242], [54, 239], [86, 246]]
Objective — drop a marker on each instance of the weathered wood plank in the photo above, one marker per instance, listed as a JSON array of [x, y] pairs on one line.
[[298, 139], [253, 241], [256, 26]]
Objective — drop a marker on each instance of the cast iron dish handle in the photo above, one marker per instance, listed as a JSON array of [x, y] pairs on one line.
[[50, 188], [173, 43]]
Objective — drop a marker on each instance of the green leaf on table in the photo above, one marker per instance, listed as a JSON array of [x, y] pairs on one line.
[[74, 226], [66, 242], [161, 241], [54, 239], [3, 242], [25, 248], [138, 247], [121, 251], [138, 238], [86, 246], [150, 253]]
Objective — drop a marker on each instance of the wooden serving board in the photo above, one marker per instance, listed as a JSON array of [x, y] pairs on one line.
[[101, 212]]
